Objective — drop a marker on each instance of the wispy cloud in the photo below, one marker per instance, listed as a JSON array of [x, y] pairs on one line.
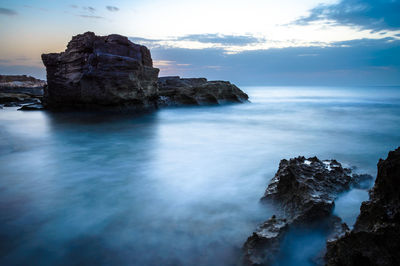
[[356, 62], [7, 12], [89, 8], [229, 43], [239, 40], [91, 16], [373, 15], [112, 8], [73, 6]]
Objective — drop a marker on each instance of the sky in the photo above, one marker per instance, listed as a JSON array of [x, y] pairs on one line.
[[253, 42]]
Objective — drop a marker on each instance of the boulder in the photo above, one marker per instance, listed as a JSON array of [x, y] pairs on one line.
[[100, 72], [303, 192], [176, 91], [375, 238]]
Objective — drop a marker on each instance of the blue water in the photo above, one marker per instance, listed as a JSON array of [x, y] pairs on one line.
[[179, 186]]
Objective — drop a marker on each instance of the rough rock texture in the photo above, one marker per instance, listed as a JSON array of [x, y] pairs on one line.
[[303, 190], [100, 72], [375, 239], [175, 91]]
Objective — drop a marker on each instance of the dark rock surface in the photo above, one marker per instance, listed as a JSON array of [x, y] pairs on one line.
[[100, 72], [375, 239], [303, 191], [176, 91]]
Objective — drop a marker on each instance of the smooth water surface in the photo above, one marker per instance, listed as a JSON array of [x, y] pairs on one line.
[[179, 186]]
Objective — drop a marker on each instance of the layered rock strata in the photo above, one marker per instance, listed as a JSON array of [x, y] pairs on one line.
[[100, 72], [175, 91]]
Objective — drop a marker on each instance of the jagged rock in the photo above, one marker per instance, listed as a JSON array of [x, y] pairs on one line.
[[175, 91], [100, 72], [375, 238], [303, 190]]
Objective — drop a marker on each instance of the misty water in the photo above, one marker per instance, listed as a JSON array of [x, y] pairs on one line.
[[179, 186]]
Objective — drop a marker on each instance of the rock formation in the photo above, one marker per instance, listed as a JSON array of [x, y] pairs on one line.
[[375, 239], [20, 90], [303, 190], [176, 91], [110, 71], [19, 82], [100, 72]]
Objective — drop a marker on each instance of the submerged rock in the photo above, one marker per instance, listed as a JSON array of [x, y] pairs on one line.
[[175, 91], [101, 72], [303, 190], [31, 107], [17, 99], [375, 239]]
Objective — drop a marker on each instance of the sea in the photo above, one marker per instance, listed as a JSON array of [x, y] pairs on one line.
[[178, 186]]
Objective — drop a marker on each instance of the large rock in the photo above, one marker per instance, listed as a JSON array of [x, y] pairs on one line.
[[100, 72], [175, 91], [303, 192], [375, 239]]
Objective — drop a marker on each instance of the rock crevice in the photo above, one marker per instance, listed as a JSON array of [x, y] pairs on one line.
[[375, 239], [303, 192]]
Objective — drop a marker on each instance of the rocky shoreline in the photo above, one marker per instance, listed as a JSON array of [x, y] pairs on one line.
[[112, 73], [303, 192], [21, 91], [105, 72]]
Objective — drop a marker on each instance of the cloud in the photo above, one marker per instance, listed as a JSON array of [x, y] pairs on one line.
[[230, 43], [239, 40], [89, 8], [375, 15], [112, 8], [91, 16], [73, 6], [7, 12], [357, 62]]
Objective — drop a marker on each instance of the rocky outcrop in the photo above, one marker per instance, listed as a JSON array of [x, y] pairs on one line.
[[303, 192], [175, 91], [375, 239], [19, 90], [111, 71], [101, 72]]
